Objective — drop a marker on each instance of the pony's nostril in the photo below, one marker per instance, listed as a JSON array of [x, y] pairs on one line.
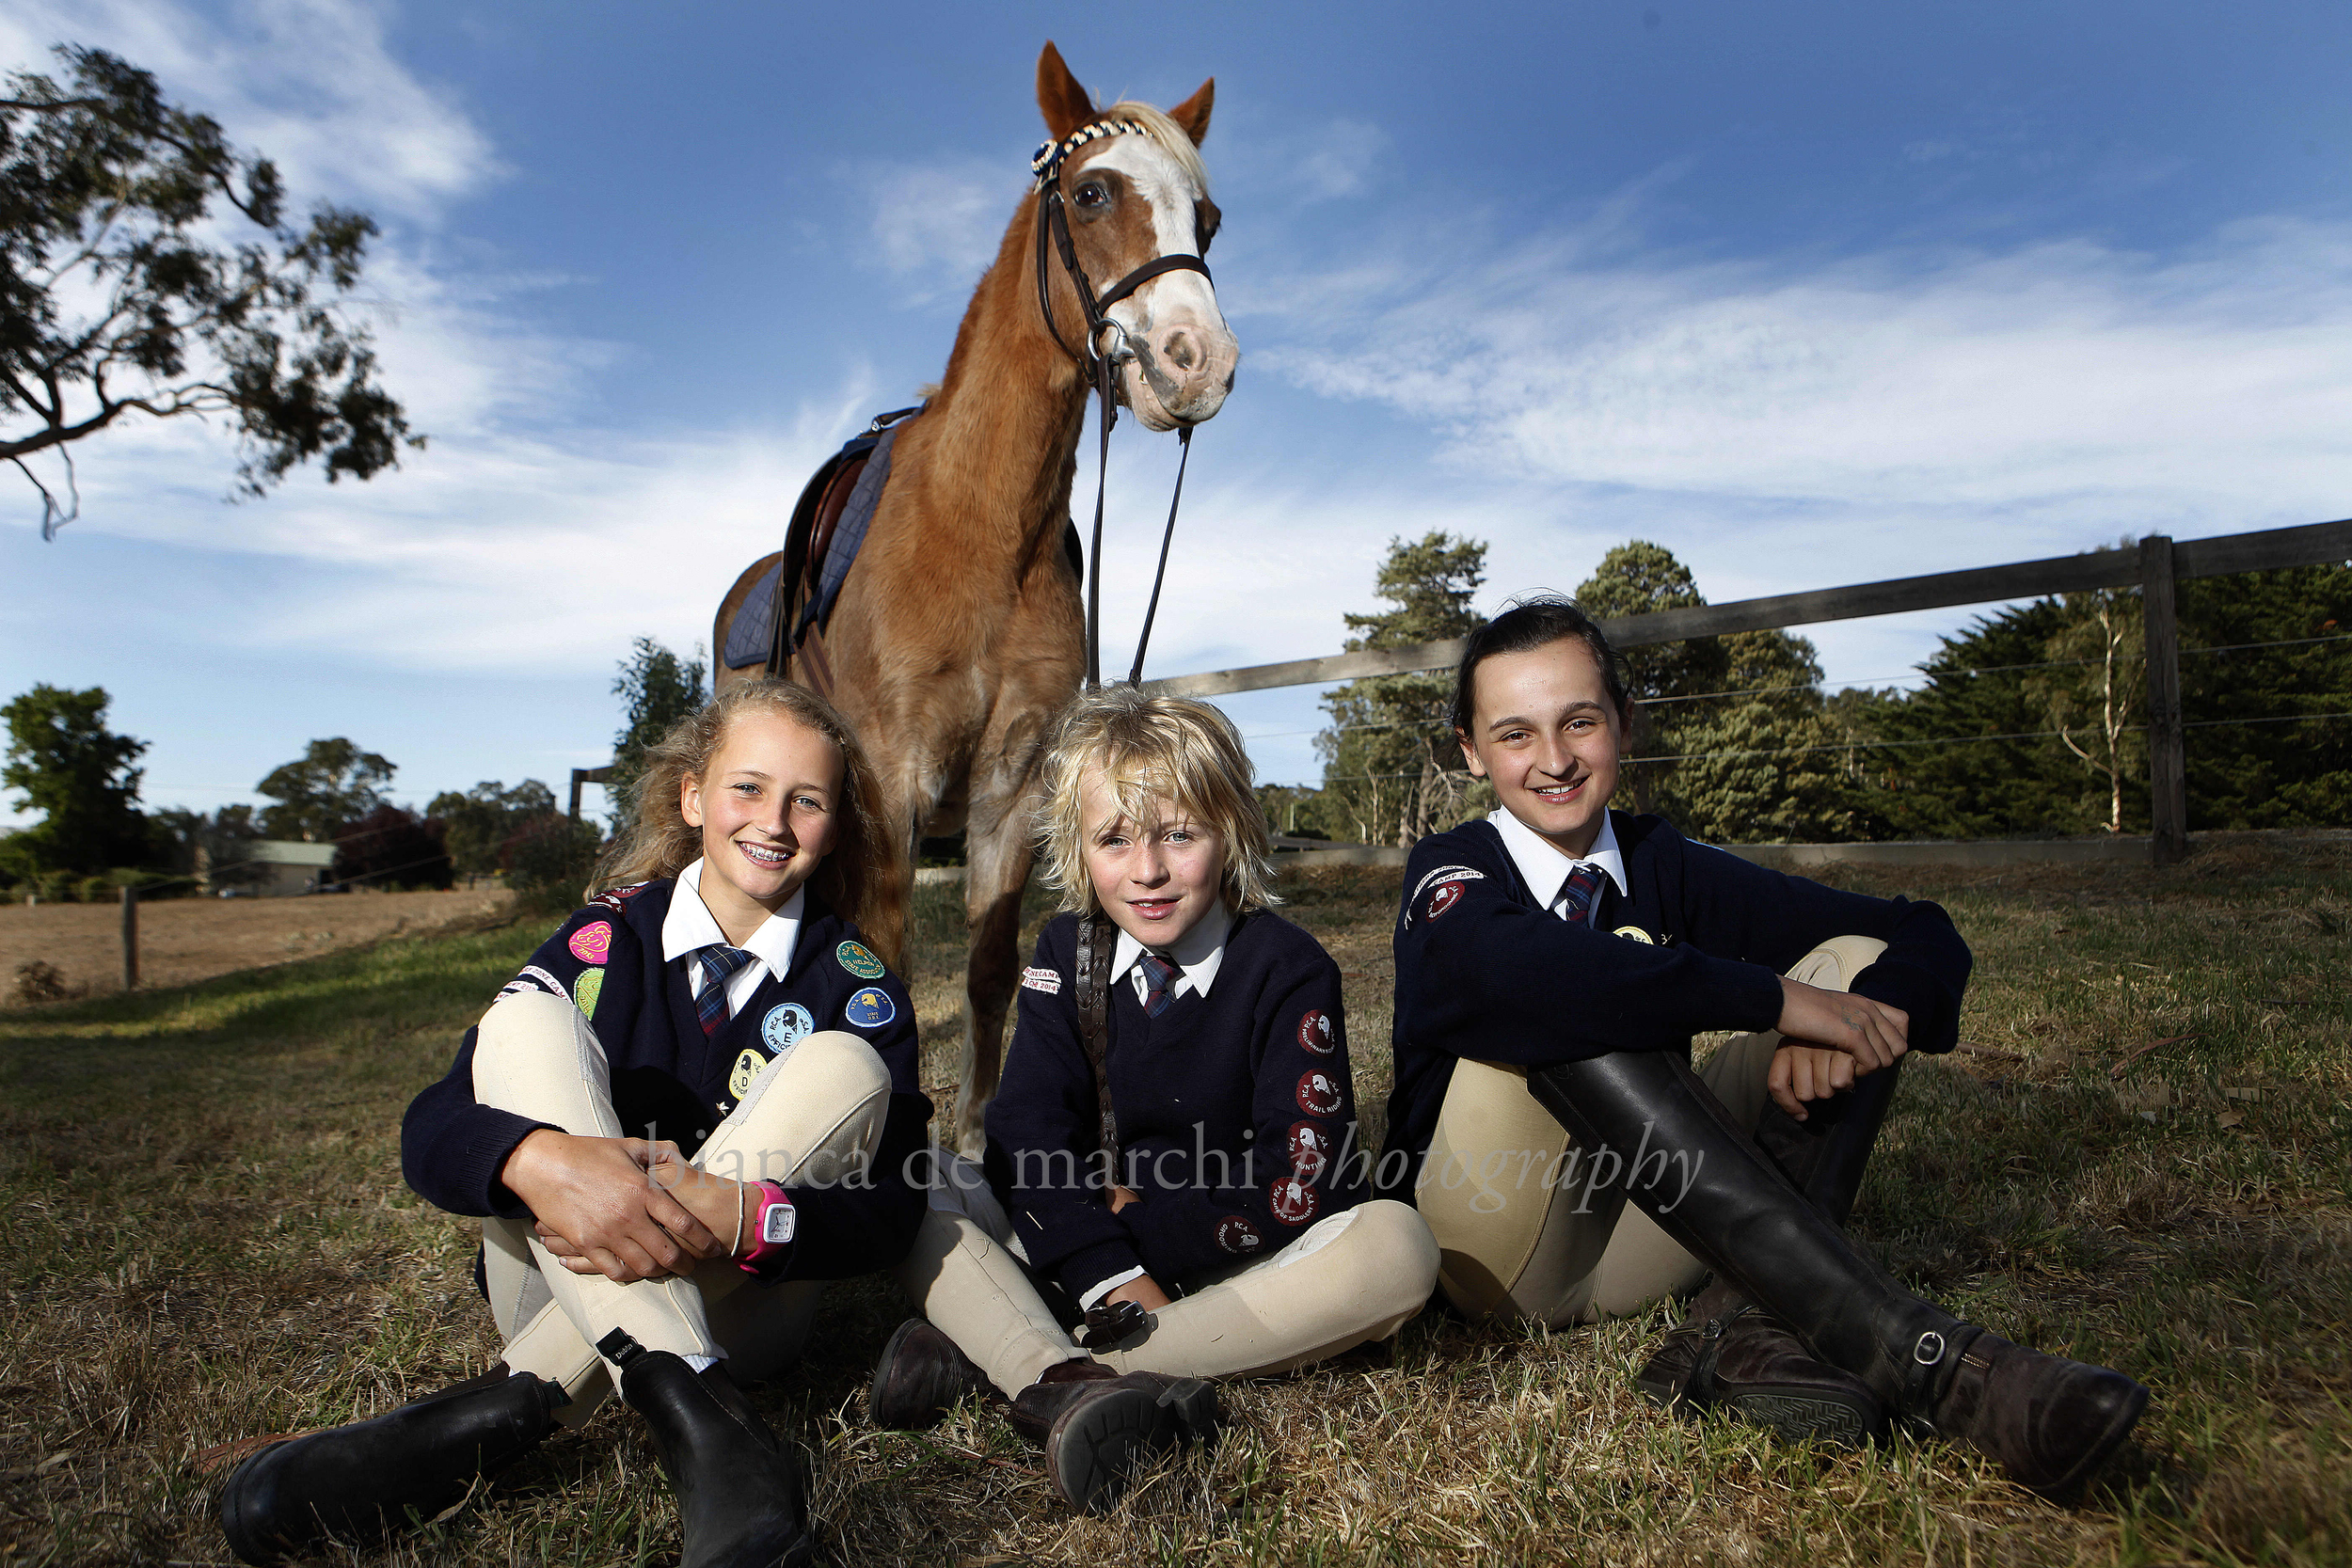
[[1180, 350]]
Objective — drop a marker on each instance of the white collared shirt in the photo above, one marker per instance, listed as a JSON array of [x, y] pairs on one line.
[[1546, 866], [691, 924], [1199, 953]]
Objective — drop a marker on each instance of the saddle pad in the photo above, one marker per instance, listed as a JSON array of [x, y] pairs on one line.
[[748, 633], [849, 534]]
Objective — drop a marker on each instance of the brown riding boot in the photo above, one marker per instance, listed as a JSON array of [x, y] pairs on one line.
[[922, 1374], [1101, 1428], [2050, 1421], [1742, 1361]]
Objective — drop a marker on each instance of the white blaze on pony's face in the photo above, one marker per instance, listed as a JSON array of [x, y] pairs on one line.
[[1183, 355]]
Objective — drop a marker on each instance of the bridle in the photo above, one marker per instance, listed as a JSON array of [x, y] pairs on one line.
[[1053, 218]]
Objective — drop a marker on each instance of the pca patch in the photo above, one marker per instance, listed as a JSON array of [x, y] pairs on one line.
[[858, 959], [587, 989], [1447, 874], [616, 898], [1045, 980], [1315, 1033], [592, 943], [1236, 1235], [784, 1028], [1635, 933], [870, 1008], [1318, 1094], [747, 1067], [1292, 1201], [1309, 1149], [1444, 897]]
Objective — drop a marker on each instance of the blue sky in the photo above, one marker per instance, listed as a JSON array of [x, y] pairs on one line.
[[1810, 294]]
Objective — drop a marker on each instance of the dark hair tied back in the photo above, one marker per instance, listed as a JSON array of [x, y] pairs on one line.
[[1534, 621]]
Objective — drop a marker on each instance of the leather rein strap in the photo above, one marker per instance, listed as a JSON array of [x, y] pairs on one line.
[[1053, 218], [1096, 943]]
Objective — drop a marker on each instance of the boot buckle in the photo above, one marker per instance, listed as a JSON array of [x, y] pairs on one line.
[[1922, 1355]]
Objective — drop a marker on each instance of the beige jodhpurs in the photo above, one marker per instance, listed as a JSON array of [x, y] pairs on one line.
[[813, 1115], [1529, 1226], [1353, 1277]]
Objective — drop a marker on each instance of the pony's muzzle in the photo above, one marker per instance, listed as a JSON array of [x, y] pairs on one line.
[[1185, 371]]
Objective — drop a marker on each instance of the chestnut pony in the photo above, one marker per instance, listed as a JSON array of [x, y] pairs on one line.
[[959, 631]]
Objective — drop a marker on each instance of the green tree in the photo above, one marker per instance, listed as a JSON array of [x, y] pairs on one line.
[[333, 785], [215, 848], [68, 766], [2283, 655], [1392, 770], [115, 300], [2094, 694], [478, 823], [657, 688]]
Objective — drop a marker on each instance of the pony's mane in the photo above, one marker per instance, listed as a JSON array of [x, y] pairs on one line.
[[1169, 135]]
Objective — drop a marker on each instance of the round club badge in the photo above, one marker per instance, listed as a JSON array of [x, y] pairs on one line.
[[1292, 1200], [1318, 1094], [1316, 1034], [784, 1026], [592, 942], [587, 989], [870, 1008], [1311, 1150], [1445, 897], [1237, 1235], [1636, 934], [747, 1067], [858, 959]]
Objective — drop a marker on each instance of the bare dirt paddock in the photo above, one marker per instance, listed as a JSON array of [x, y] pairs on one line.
[[185, 940]]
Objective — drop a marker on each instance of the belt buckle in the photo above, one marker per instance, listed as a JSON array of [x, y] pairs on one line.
[[1920, 1351]]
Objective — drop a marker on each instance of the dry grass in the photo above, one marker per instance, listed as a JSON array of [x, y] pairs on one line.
[[204, 1236]]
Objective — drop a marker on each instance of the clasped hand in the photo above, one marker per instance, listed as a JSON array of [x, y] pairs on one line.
[[626, 1208], [1835, 1038]]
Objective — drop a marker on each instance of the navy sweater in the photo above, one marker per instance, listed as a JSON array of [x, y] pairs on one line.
[[1235, 1114], [670, 1080], [1697, 944]]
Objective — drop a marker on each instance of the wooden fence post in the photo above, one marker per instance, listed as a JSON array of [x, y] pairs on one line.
[[130, 939], [2168, 757]]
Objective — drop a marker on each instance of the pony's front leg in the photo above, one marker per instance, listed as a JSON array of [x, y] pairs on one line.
[[996, 871]]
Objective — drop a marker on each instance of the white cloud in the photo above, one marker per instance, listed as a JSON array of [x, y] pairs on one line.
[[937, 222]]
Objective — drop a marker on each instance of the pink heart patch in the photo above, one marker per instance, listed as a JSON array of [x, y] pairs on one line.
[[591, 942]]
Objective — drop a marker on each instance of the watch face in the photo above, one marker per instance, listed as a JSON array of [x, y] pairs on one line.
[[776, 1222]]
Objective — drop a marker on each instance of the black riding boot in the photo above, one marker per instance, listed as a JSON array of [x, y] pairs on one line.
[[1825, 1153], [371, 1475], [1687, 1164], [739, 1490]]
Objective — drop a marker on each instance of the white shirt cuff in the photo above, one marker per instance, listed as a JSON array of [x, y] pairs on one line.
[[1087, 1302]]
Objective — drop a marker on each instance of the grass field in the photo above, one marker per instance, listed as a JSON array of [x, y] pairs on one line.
[[204, 1235]]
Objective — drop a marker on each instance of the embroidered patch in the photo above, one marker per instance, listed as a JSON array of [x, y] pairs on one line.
[[1447, 874], [1311, 1150], [1315, 1033], [1041, 979], [747, 1067], [534, 978], [1318, 1094], [1636, 933], [870, 1008], [1237, 1235], [616, 898], [1445, 897], [784, 1026], [592, 943], [859, 960], [587, 989], [1292, 1201]]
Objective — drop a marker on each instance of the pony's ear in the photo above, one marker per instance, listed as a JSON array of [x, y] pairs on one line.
[[1193, 113], [1064, 103]]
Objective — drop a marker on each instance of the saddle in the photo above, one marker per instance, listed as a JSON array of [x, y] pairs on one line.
[[782, 624]]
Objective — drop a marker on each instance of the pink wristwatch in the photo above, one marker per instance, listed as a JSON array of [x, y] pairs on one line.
[[772, 1228]]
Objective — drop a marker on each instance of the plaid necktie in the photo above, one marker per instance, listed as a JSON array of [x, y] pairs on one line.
[[719, 960], [1162, 975], [1578, 893]]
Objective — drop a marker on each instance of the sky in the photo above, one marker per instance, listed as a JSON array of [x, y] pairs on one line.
[[1812, 294]]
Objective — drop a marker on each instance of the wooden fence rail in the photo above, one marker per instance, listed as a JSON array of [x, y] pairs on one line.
[[2153, 566]]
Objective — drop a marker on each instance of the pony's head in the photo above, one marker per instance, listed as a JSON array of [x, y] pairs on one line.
[[1132, 197]]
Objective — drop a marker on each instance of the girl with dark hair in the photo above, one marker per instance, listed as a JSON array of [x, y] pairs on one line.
[[695, 1103], [1554, 960]]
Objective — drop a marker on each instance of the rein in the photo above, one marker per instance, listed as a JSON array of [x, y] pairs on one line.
[[1053, 218]]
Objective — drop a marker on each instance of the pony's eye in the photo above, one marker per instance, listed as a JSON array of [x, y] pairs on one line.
[[1092, 194], [1205, 218]]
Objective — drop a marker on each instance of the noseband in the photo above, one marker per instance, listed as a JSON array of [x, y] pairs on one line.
[[1053, 217]]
